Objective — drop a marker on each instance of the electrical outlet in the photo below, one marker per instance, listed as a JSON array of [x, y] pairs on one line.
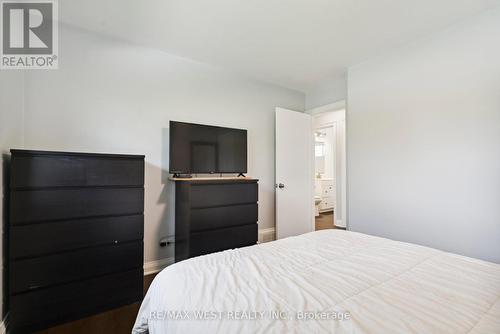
[[167, 241]]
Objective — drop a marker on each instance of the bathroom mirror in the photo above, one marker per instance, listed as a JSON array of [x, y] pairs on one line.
[[319, 149]]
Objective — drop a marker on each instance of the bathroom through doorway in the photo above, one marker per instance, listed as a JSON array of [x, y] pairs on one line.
[[329, 167]]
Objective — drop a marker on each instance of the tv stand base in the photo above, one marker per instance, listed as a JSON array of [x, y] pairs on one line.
[[182, 176]]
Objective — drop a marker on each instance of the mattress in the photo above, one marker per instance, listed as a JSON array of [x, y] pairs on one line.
[[330, 281]]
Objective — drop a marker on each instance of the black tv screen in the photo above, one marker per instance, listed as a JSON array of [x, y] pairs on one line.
[[205, 149]]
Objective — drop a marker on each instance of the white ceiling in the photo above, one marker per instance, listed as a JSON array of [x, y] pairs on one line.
[[292, 43]]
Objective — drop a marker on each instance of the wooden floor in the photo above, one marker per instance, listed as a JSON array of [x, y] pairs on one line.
[[118, 321], [325, 221]]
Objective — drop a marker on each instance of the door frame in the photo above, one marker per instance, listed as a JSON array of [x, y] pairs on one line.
[[314, 112], [327, 125]]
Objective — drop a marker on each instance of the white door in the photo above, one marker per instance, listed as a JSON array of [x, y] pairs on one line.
[[294, 174]]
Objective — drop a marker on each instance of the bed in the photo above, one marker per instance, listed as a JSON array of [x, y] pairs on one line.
[[330, 281]]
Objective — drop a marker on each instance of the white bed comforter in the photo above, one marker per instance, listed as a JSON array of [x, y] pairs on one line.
[[377, 285]]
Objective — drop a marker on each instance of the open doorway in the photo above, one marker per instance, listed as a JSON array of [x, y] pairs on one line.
[[329, 167]]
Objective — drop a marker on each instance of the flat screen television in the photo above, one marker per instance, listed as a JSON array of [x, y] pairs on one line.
[[205, 149]]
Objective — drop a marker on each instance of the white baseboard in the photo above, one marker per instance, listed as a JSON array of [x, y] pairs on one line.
[[3, 330], [267, 234], [156, 266]]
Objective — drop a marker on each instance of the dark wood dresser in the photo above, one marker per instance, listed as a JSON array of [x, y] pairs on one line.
[[213, 215], [74, 237]]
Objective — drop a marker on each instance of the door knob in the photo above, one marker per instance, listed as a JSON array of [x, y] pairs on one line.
[[281, 186]]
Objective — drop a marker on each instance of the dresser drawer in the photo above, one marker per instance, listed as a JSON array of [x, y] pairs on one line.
[[39, 171], [327, 204], [217, 240], [37, 309], [328, 190], [60, 268], [224, 216], [57, 204], [42, 238], [223, 194], [327, 183]]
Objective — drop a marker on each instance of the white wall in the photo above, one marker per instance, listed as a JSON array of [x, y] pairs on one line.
[[11, 134], [109, 96], [424, 141], [327, 91]]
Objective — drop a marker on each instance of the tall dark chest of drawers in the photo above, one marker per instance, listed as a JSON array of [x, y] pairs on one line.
[[74, 236], [213, 215]]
